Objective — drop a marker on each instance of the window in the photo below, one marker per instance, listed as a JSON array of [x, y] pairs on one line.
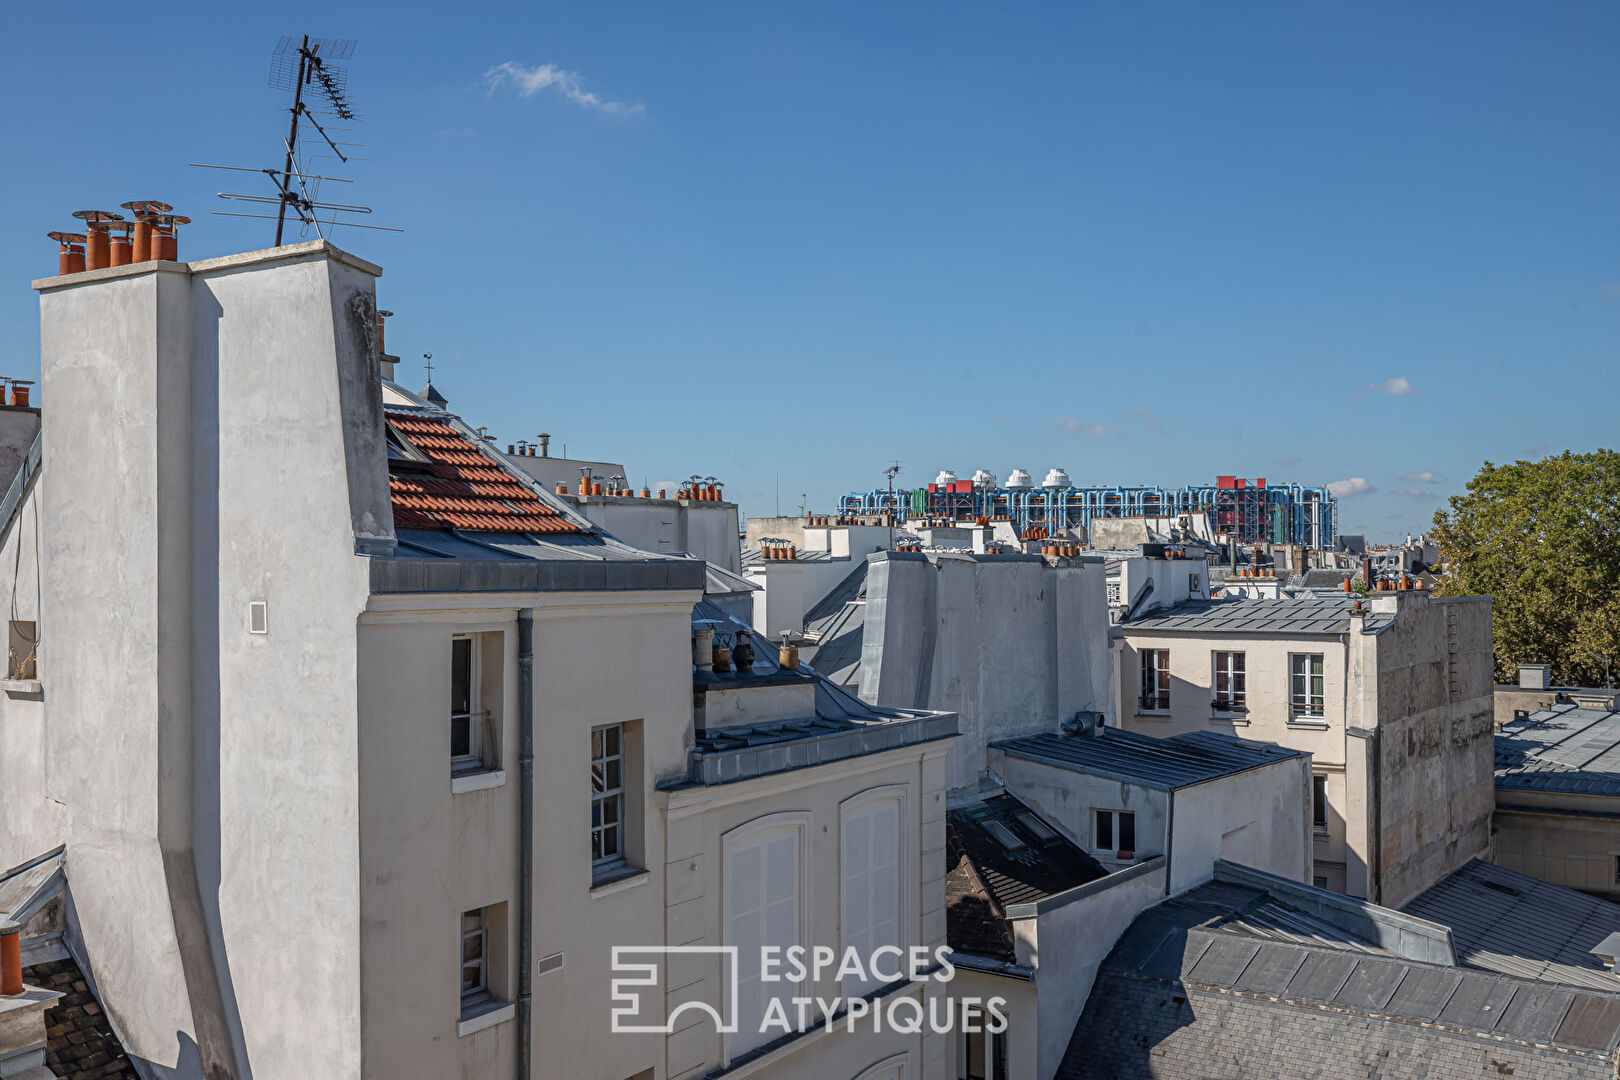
[[468, 723], [1231, 688], [1617, 869], [871, 903], [1114, 830], [1193, 582], [763, 879], [998, 1056], [973, 1057], [474, 956], [607, 797], [1319, 803], [1155, 679], [1305, 696], [1319, 881]]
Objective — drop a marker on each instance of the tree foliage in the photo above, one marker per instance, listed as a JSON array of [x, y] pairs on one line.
[[1542, 539]]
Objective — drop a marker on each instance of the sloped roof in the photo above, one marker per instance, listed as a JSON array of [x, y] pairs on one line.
[[1162, 764], [1509, 922], [998, 852], [1317, 615], [460, 485], [1191, 990]]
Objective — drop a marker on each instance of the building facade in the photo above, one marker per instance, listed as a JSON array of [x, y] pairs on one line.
[[1392, 702]]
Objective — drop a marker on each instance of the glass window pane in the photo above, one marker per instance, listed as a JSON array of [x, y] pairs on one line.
[[610, 740], [460, 737], [1105, 829], [615, 774], [596, 743], [610, 810], [1127, 831], [597, 778], [461, 675]]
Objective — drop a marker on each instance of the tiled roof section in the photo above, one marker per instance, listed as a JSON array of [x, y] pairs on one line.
[[462, 486], [1162, 764], [1509, 922], [984, 875], [1565, 748], [79, 1040]]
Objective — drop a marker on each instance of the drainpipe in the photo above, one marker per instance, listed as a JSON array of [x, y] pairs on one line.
[[525, 837]]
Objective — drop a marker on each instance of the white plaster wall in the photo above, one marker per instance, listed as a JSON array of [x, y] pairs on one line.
[[707, 530], [1066, 798], [1013, 646], [1069, 944], [1259, 817], [697, 820], [34, 822]]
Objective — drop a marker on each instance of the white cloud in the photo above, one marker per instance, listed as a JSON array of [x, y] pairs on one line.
[[1424, 477], [1397, 386], [1350, 488], [529, 81], [1081, 427]]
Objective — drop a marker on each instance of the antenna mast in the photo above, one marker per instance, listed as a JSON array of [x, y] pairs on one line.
[[295, 63]]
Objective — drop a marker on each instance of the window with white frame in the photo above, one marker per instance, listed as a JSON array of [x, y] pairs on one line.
[[1155, 679], [474, 956], [870, 870], [607, 798], [467, 727], [763, 881], [1305, 685], [1113, 830], [1319, 811], [1231, 682]]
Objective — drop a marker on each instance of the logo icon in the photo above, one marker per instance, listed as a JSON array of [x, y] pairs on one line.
[[628, 1018]]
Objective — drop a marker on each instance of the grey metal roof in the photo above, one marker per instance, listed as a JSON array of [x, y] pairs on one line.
[[1163, 764], [1191, 990], [1518, 925], [1566, 748], [835, 628], [1317, 615]]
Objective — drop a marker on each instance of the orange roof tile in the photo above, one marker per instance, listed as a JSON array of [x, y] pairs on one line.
[[463, 487]]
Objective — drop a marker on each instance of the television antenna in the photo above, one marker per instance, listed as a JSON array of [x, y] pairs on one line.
[[298, 64]]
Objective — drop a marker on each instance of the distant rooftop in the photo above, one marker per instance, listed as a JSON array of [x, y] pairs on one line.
[[1163, 764], [1317, 615], [1565, 748]]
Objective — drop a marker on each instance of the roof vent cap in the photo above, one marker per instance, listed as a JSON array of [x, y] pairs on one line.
[[1019, 480]]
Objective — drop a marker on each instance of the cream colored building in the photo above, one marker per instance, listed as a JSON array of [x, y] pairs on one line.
[[1393, 703], [366, 751]]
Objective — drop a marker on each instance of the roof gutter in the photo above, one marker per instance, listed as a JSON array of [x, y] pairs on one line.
[[525, 993]]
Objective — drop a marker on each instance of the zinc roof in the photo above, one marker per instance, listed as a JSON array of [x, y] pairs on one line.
[[1162, 764], [1316, 615], [1566, 748]]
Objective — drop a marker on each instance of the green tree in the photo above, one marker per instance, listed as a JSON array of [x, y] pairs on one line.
[[1542, 540]]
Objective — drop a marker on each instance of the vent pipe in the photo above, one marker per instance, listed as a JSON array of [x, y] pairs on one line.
[[98, 244], [70, 252], [11, 979], [544, 439], [19, 393]]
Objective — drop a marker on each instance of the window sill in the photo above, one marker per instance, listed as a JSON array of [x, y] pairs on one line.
[[1320, 832], [618, 880], [477, 781], [22, 686], [1155, 715], [1236, 719], [1315, 723], [484, 1015]]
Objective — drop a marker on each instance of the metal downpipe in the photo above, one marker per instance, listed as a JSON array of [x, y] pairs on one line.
[[525, 992]]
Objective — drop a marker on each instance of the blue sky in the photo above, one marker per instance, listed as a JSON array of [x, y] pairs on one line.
[[1373, 244]]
